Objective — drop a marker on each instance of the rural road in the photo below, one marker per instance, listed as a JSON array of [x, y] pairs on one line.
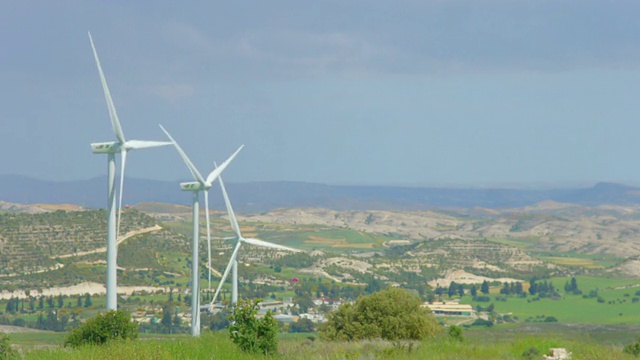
[[120, 240]]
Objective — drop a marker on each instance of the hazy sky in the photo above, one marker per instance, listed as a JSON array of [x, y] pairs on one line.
[[364, 92]]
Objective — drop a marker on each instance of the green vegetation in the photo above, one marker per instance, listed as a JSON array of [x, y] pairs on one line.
[[6, 351], [455, 333], [486, 344], [114, 325], [633, 349], [251, 334], [392, 314], [616, 305], [571, 287]]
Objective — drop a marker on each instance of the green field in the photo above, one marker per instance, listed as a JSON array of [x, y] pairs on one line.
[[326, 238], [617, 309], [492, 344]]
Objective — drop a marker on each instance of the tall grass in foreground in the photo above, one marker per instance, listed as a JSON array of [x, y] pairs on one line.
[[219, 346], [208, 346]]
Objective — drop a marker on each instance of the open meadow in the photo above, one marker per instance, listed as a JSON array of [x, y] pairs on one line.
[[478, 344]]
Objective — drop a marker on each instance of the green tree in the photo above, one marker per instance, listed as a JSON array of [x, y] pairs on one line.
[[10, 306], [392, 314], [167, 320], [250, 333], [453, 287], [87, 300], [115, 324], [218, 321], [302, 325], [484, 288]]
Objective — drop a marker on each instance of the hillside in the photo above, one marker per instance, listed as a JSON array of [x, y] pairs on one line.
[[396, 247], [546, 226]]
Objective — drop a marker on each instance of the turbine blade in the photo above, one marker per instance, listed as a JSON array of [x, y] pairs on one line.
[[226, 271], [267, 244], [185, 158], [206, 211], [232, 215], [218, 170], [115, 123], [143, 144], [123, 161]]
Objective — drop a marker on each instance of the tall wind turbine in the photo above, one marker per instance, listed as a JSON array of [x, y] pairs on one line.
[[121, 146], [203, 185], [233, 263]]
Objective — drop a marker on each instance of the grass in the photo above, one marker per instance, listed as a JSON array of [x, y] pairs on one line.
[[573, 262], [39, 338], [617, 308], [484, 344], [322, 238]]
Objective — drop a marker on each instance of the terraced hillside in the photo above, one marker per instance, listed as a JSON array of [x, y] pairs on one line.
[[32, 242], [348, 246]]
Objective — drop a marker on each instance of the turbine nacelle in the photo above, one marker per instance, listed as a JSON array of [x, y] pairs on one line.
[[110, 147], [193, 186]]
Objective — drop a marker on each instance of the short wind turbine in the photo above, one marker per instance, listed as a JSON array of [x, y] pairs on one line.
[[203, 185], [120, 146], [233, 263]]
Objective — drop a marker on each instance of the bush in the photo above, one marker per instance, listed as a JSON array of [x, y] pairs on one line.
[[632, 349], [103, 328], [6, 351], [531, 353], [250, 333], [482, 322], [303, 325], [392, 314], [455, 333]]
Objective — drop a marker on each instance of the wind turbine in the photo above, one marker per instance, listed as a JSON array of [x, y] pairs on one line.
[[233, 263], [121, 146], [203, 185]]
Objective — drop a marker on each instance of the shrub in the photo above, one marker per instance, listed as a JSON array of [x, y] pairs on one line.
[[455, 333], [103, 328], [392, 314], [632, 349], [482, 322], [303, 325], [531, 353], [250, 333], [6, 351]]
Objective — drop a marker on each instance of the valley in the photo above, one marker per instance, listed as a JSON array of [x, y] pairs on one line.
[[51, 253]]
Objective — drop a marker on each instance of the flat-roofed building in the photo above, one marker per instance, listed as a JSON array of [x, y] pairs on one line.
[[440, 308]]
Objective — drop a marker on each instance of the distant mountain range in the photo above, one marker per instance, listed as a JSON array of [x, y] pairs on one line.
[[255, 197]]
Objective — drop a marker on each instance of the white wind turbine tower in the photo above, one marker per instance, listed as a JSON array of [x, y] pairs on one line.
[[203, 185], [233, 263], [121, 146]]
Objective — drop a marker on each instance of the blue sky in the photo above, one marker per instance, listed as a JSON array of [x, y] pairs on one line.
[[362, 92]]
